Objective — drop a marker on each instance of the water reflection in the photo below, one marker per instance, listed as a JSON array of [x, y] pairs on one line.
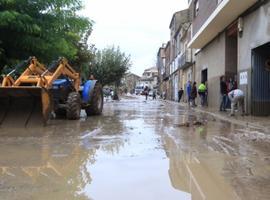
[[134, 151], [196, 175], [42, 169], [52, 162]]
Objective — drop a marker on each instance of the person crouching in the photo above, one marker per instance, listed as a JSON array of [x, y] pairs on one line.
[[237, 97]]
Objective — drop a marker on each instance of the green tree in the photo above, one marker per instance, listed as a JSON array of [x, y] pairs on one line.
[[84, 56], [46, 29], [110, 65]]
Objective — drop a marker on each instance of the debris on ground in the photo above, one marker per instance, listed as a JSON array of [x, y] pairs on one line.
[[185, 124], [197, 123], [188, 124]]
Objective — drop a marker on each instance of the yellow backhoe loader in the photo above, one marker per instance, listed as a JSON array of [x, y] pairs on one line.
[[39, 92]]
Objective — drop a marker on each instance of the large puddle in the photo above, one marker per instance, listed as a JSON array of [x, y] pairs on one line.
[[136, 150]]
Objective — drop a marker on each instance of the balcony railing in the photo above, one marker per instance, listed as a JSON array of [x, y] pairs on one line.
[[185, 59]]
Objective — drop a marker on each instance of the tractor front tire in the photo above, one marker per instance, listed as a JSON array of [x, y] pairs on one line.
[[73, 109], [96, 102]]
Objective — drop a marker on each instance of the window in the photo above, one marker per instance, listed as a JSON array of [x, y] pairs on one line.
[[196, 8], [185, 46], [178, 45], [219, 1]]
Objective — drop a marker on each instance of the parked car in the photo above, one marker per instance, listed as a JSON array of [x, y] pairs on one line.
[[138, 90]]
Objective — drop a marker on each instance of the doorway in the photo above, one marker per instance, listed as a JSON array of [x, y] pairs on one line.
[[204, 76], [260, 78], [231, 53]]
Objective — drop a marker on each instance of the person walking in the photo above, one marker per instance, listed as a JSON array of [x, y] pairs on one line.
[[223, 93], [237, 97], [202, 93], [180, 94], [188, 89], [146, 91], [164, 95], [193, 94], [154, 95]]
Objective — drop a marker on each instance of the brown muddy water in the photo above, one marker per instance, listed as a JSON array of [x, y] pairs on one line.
[[136, 150]]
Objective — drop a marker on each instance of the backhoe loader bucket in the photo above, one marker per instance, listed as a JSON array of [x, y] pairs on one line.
[[24, 106]]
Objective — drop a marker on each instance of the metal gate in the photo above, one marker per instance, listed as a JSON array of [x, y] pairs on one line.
[[260, 89]]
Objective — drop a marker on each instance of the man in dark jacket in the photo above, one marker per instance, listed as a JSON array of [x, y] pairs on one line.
[[223, 92], [193, 94], [180, 94], [146, 92]]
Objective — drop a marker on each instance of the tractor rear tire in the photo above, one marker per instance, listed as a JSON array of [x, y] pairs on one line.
[[96, 101], [73, 109]]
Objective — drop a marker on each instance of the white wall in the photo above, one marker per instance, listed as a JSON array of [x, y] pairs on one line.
[[256, 32], [212, 58]]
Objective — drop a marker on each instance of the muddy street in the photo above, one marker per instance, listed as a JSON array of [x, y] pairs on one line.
[[136, 150]]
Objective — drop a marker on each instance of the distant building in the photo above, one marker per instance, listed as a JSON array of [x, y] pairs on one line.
[[166, 75], [161, 59], [130, 81], [150, 78], [186, 58], [179, 22]]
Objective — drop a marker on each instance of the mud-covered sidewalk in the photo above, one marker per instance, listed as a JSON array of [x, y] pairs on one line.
[[262, 123], [136, 150]]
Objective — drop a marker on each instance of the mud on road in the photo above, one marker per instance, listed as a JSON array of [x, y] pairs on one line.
[[136, 150]]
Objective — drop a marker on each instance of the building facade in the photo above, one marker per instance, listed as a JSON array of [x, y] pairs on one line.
[[150, 78], [179, 19], [186, 58], [233, 40], [166, 75], [177, 67], [129, 82], [161, 59]]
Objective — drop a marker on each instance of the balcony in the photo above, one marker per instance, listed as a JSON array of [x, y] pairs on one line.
[[185, 59], [226, 12]]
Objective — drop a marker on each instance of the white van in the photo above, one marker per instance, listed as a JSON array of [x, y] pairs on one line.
[[139, 90]]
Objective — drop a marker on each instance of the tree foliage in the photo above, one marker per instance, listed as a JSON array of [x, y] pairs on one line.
[[46, 29], [109, 65], [85, 54]]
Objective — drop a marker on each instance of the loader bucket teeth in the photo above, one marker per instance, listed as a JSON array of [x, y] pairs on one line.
[[24, 106]]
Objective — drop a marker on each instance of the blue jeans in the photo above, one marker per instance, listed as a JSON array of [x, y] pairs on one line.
[[203, 98], [189, 100], [223, 103]]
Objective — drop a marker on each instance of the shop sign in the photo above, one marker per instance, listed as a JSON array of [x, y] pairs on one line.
[[243, 78]]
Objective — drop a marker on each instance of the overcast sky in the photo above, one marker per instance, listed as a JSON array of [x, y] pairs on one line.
[[138, 27]]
